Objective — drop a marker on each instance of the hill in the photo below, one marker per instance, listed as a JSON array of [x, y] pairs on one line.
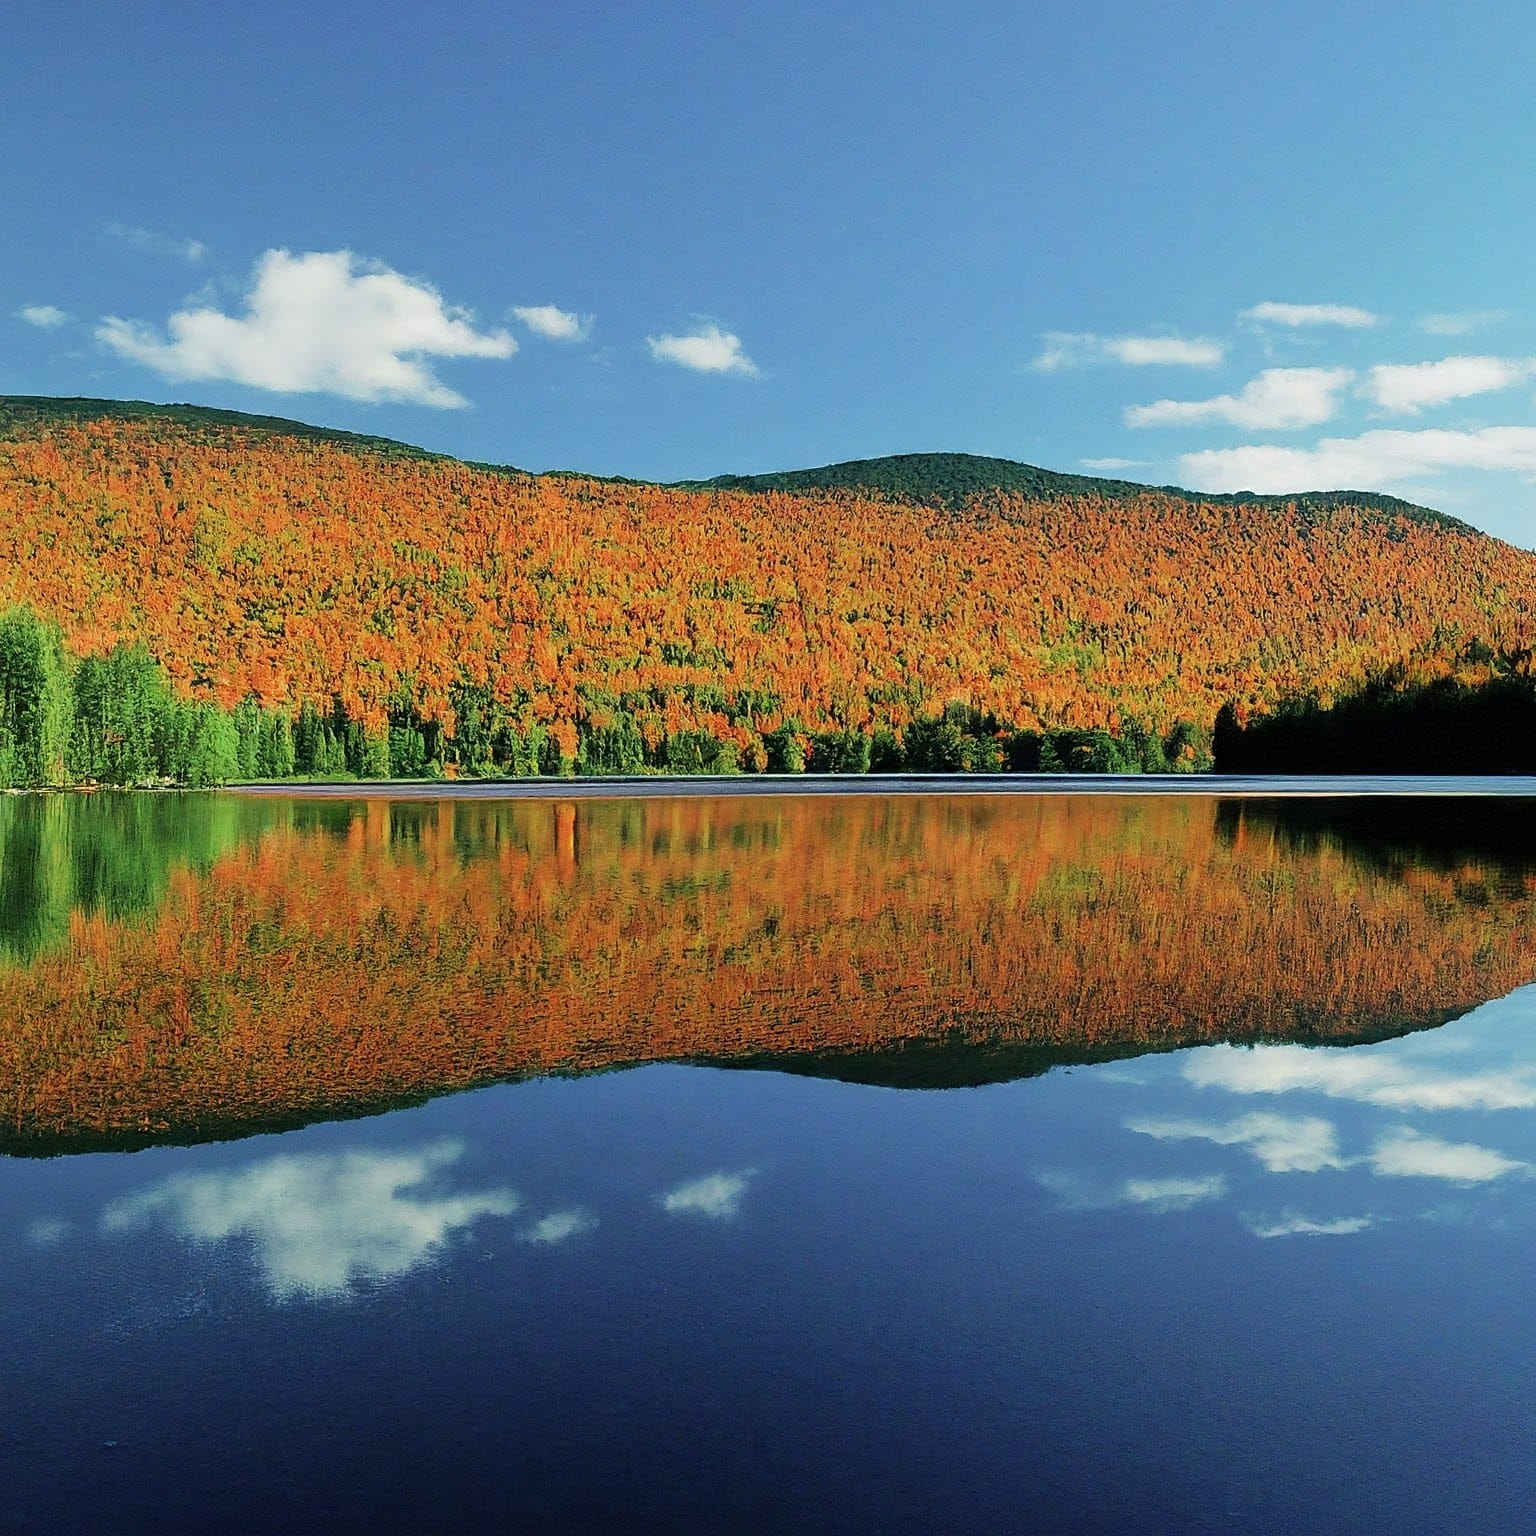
[[32, 415], [954, 480], [376, 606]]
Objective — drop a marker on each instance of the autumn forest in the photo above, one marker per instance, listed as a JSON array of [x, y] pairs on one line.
[[195, 596]]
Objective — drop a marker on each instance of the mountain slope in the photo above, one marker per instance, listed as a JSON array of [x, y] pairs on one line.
[[607, 619]]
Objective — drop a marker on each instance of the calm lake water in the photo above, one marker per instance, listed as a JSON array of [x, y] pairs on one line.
[[929, 1163]]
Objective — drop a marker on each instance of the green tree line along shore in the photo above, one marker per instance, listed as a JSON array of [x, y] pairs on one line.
[[114, 719]]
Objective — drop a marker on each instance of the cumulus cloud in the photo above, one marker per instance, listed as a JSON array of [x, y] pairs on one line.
[[1076, 349], [136, 238], [319, 1223], [716, 1195], [46, 317], [554, 324], [1306, 1226], [558, 1227], [1356, 1075], [323, 321], [1282, 1144], [707, 350], [1461, 324], [1278, 397], [1270, 313], [1408, 1154], [1368, 462], [1409, 387]]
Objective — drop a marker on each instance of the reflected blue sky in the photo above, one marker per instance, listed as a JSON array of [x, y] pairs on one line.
[[1282, 1288]]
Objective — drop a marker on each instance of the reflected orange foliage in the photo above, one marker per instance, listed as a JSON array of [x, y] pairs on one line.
[[359, 953]]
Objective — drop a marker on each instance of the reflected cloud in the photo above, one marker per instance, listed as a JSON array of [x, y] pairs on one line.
[[1361, 1076], [558, 1226], [1281, 1143], [1408, 1154], [47, 1232], [1172, 1194], [1307, 1226], [319, 1223], [717, 1195]]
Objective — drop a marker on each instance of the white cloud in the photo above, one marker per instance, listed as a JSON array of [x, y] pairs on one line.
[[1278, 397], [1140, 351], [1069, 349], [1306, 1226], [1356, 1075], [554, 324], [46, 317], [1461, 324], [319, 1223], [1112, 463], [708, 350], [47, 1232], [1412, 386], [1368, 462], [136, 238], [558, 1227], [1270, 313], [1281, 1143], [717, 1195], [322, 321], [1407, 1154]]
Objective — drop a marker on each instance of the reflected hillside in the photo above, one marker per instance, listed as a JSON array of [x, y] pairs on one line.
[[1484, 836], [346, 956]]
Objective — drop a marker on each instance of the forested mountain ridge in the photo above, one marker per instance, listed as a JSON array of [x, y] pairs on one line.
[[30, 415], [950, 480], [492, 620], [953, 480]]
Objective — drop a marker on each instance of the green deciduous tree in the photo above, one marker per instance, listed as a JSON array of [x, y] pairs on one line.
[[35, 701]]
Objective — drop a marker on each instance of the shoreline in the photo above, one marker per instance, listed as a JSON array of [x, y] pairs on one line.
[[1210, 786]]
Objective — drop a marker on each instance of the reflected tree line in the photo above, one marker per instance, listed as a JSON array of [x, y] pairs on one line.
[[65, 859], [283, 961]]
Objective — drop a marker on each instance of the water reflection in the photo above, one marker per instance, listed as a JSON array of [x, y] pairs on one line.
[[1084, 1192], [320, 1225], [1138, 1297], [559, 1227], [716, 1195], [283, 961], [1283, 1145], [110, 854], [1358, 1129], [1395, 1080], [1291, 1225]]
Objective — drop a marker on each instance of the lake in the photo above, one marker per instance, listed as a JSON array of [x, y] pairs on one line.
[[863, 1162]]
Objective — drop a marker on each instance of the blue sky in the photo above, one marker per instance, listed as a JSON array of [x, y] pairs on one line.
[[1228, 246]]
